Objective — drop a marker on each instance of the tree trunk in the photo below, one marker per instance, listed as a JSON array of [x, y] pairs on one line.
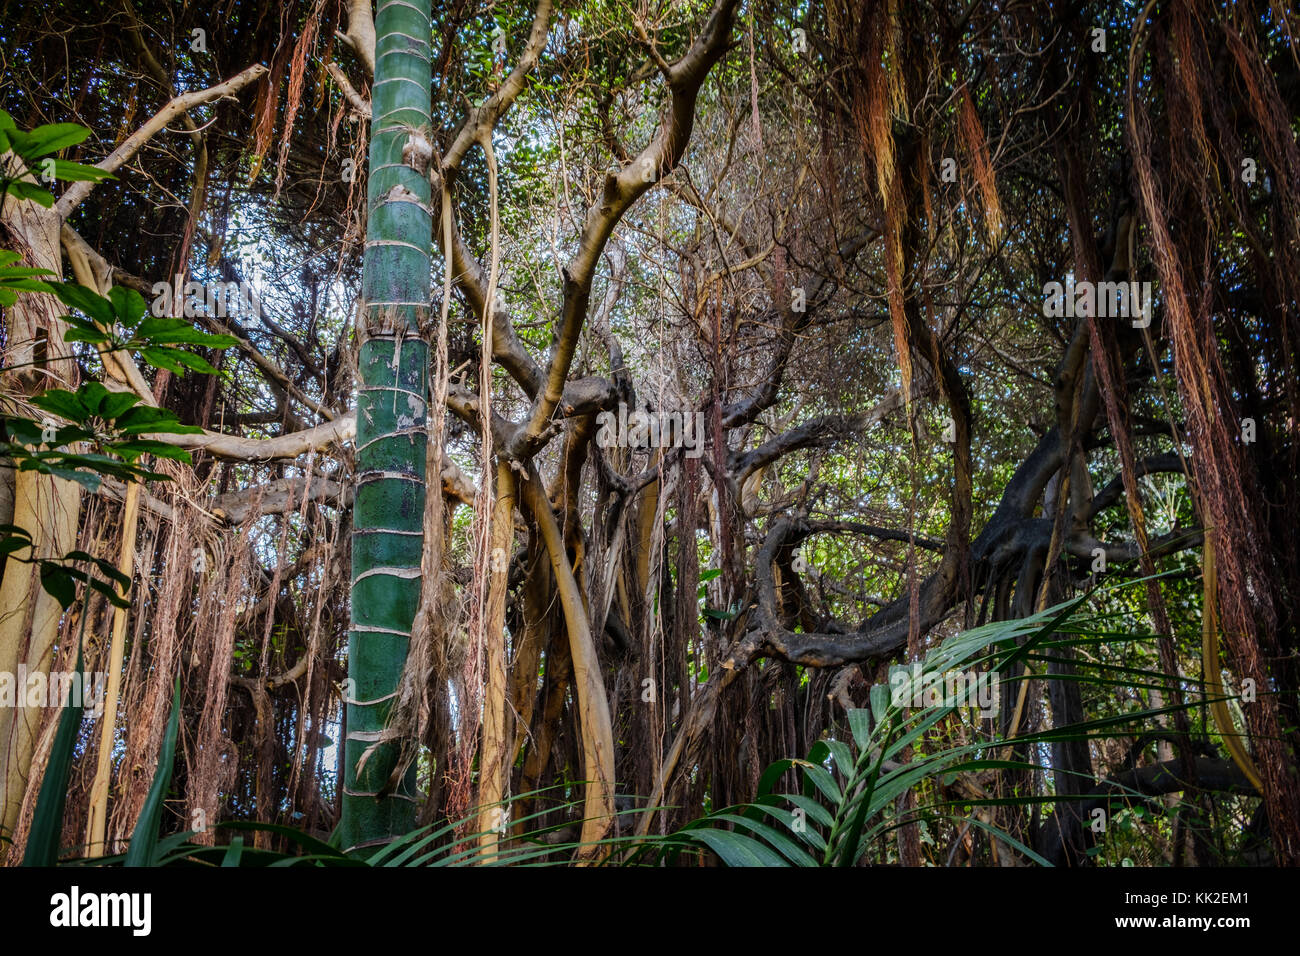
[[387, 538], [493, 768], [48, 508]]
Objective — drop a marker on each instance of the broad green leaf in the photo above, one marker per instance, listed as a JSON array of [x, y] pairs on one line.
[[860, 726], [83, 334], [128, 305], [812, 809], [174, 360], [92, 395], [53, 137], [68, 171], [737, 849], [59, 401], [58, 583], [172, 331], [842, 756], [26, 190], [799, 825], [775, 838], [821, 778], [86, 301], [142, 446], [116, 404]]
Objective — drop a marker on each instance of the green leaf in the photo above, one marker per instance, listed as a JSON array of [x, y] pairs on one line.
[[16, 139], [812, 809], [144, 418], [132, 450], [59, 583], [110, 592], [19, 272], [83, 334], [128, 305], [880, 700], [155, 326], [144, 841], [90, 482], [173, 331], [24, 280], [778, 840], [1009, 840], [842, 755], [821, 778], [860, 725], [85, 300], [304, 840], [104, 566], [12, 543], [163, 359], [737, 849], [26, 190], [53, 137], [60, 401], [71, 172], [796, 824], [233, 852], [772, 774], [174, 360], [92, 395], [47, 817], [116, 405], [22, 431], [168, 426]]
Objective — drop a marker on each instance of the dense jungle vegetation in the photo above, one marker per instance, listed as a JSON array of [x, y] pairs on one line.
[[640, 432]]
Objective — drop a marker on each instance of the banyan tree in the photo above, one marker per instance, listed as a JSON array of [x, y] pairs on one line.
[[551, 423]]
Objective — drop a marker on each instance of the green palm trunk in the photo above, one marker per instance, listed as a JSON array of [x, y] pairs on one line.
[[387, 539]]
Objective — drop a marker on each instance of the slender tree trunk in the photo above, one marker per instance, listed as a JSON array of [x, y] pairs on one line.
[[593, 705], [97, 821], [493, 769], [46, 507], [387, 539]]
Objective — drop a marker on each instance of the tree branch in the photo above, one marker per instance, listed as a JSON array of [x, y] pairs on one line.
[[186, 101]]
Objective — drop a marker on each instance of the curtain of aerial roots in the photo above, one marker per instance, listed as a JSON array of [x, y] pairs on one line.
[[1207, 123], [252, 619]]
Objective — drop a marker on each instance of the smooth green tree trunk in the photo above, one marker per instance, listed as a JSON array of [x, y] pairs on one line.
[[387, 539]]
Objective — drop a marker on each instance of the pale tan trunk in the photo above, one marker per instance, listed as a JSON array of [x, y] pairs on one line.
[[492, 761], [535, 602], [46, 507], [593, 705], [98, 814], [649, 510]]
